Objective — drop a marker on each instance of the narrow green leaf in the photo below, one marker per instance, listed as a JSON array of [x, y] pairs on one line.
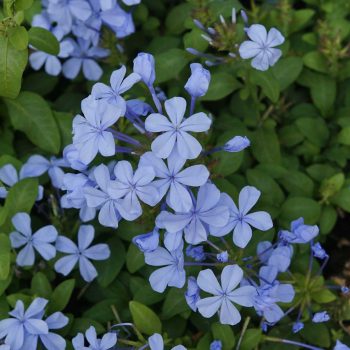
[[5, 256]]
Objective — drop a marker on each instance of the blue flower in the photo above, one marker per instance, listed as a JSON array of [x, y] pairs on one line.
[[175, 130], [107, 342], [340, 346], [262, 46], [38, 165], [206, 214], [320, 317], [174, 181], [225, 294], [22, 323], [81, 253], [172, 273], [192, 293], [215, 345], [90, 131], [101, 199], [71, 156], [299, 232], [83, 57], [198, 83], [40, 241], [240, 221], [236, 144], [195, 252], [279, 256], [345, 289], [222, 257], [271, 292], [9, 177], [156, 343], [147, 242], [75, 184], [297, 326], [111, 94], [318, 251], [132, 187], [144, 67], [51, 341], [131, 2]]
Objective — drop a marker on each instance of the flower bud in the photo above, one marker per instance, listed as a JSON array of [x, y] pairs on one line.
[[198, 83], [144, 66], [147, 242]]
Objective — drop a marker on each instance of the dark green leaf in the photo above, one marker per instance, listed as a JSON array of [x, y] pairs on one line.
[[5, 256], [61, 295], [145, 320]]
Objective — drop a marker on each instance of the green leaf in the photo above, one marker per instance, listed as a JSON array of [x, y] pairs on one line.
[[251, 339], [12, 64], [328, 219], [344, 136], [323, 92], [134, 259], [225, 334], [170, 63], [300, 18], [44, 40], [332, 185], [316, 334], [296, 207], [5, 283], [31, 114], [314, 129], [315, 60], [174, 303], [221, 85], [265, 146], [41, 286], [194, 40], [18, 37], [23, 4], [269, 84], [61, 295], [287, 70], [5, 256], [109, 269], [297, 183], [21, 196], [145, 320], [80, 325], [176, 18], [342, 199], [323, 296]]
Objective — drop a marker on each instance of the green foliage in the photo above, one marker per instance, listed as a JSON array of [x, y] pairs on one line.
[[145, 320], [43, 40]]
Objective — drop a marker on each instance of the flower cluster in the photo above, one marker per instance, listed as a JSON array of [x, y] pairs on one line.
[[77, 25], [261, 46]]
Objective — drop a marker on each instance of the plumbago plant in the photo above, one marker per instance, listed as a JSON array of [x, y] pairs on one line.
[[161, 250]]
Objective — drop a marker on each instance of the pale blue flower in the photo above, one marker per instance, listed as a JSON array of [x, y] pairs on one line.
[[299, 232], [41, 241], [236, 144], [224, 295], [222, 257], [91, 135], [16, 329], [297, 326], [144, 66], [318, 251], [174, 130], [279, 256], [156, 342], [37, 165], [107, 342], [240, 220], [271, 292], [132, 188], [320, 317], [147, 242], [9, 177], [174, 180], [340, 346], [100, 198], [205, 214], [195, 252], [215, 345], [81, 254], [118, 85], [131, 2], [198, 83], [171, 273], [261, 46], [84, 57], [192, 293]]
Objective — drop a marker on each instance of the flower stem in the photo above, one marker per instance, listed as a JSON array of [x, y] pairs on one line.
[[291, 342]]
